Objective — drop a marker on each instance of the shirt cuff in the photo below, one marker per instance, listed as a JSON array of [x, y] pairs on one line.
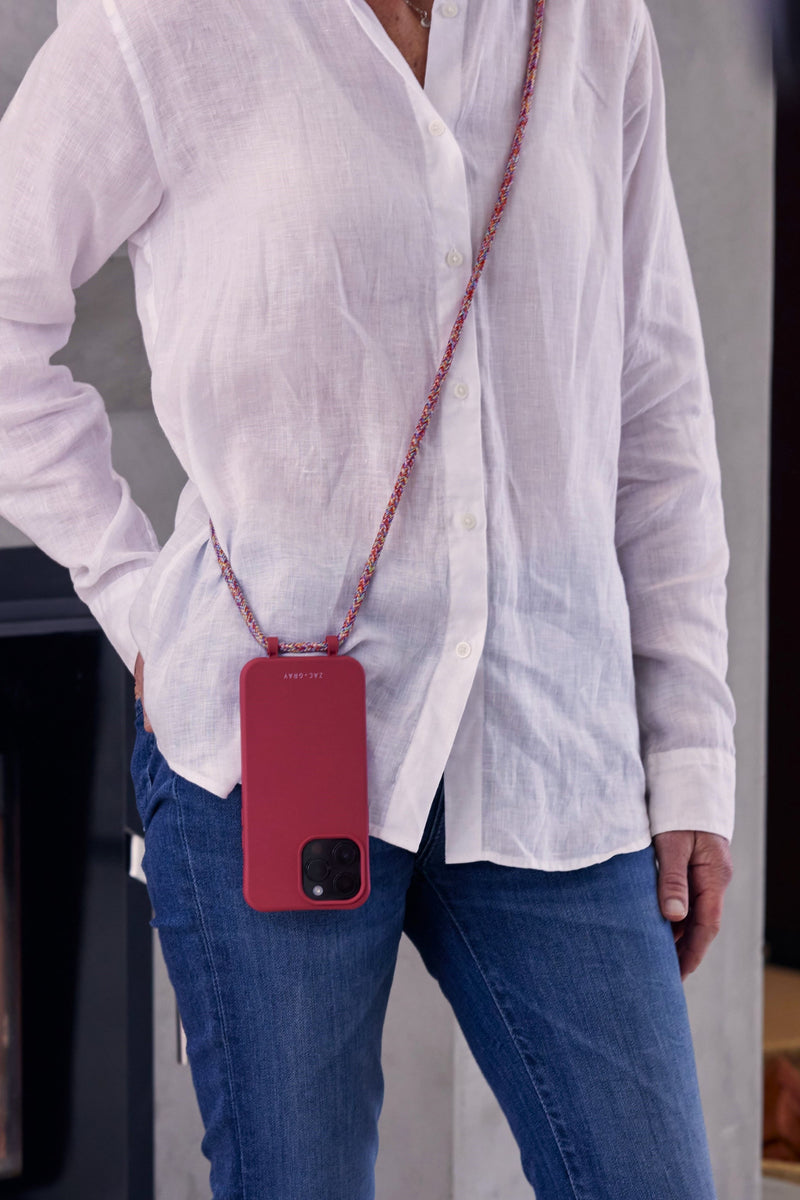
[[112, 608], [691, 789]]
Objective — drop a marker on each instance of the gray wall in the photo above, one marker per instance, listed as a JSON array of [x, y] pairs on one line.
[[721, 125], [442, 1134]]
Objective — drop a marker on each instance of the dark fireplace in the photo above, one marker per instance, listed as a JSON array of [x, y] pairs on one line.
[[76, 1085]]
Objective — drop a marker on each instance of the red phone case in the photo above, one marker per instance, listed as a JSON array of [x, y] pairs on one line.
[[304, 773]]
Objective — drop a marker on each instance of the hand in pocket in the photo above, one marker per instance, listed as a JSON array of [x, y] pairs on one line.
[[138, 688]]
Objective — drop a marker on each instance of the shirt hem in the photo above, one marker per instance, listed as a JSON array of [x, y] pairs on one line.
[[533, 862], [198, 778]]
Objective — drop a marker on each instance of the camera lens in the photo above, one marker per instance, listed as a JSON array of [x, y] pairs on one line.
[[317, 869], [345, 853], [345, 883]]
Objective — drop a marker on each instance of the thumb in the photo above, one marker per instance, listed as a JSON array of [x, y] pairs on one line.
[[673, 851]]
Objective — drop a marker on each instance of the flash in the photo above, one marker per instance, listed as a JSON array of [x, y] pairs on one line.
[[318, 889]]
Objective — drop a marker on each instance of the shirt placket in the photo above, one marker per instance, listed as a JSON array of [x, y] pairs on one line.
[[436, 110]]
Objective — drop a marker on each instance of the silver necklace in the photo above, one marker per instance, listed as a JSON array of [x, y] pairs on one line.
[[424, 17]]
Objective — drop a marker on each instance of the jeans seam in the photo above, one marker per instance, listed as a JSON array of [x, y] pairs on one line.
[[503, 1018], [215, 981], [676, 970]]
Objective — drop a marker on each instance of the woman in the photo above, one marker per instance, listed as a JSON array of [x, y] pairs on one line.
[[303, 188]]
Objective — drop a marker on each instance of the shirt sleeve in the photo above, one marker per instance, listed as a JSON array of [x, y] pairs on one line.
[[78, 176], [670, 533]]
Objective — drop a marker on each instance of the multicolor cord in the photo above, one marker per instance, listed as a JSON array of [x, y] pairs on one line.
[[271, 644]]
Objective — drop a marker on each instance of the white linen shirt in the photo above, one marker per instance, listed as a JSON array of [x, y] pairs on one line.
[[546, 624]]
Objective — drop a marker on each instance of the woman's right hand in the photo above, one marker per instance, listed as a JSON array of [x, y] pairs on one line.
[[138, 687]]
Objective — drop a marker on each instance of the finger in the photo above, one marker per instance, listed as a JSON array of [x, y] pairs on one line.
[[692, 948], [704, 920], [673, 851], [675, 905]]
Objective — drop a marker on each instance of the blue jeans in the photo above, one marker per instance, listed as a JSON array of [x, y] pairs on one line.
[[566, 985]]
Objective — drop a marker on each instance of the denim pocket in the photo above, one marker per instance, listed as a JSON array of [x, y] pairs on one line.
[[142, 763]]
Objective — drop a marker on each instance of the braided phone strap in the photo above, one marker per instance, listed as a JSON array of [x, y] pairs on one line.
[[332, 643]]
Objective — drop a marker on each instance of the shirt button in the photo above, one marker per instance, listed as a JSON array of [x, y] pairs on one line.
[[449, 10], [437, 128], [468, 521], [461, 390], [463, 649], [454, 258]]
